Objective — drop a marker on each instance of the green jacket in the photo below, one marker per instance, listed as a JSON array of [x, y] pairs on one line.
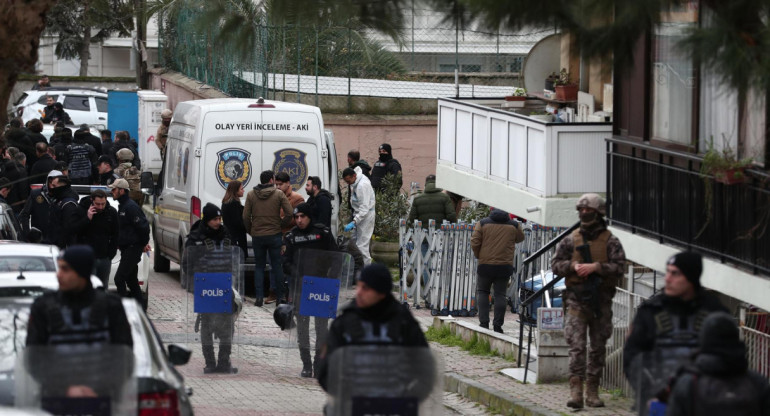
[[432, 204]]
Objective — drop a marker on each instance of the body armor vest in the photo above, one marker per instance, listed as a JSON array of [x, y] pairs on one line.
[[91, 326], [598, 254]]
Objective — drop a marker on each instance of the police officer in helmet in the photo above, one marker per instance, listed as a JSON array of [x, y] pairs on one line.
[[307, 235], [77, 313]]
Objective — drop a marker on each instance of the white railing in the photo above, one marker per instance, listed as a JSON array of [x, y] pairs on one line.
[[757, 350], [624, 306]]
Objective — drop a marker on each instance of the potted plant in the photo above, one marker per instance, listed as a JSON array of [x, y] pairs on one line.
[[550, 80], [565, 90], [724, 165], [516, 99]]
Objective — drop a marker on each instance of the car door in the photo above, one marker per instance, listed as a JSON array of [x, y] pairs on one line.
[[101, 110], [79, 109]]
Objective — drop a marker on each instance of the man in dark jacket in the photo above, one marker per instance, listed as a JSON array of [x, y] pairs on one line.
[[106, 174], [101, 232], [61, 141], [59, 115], [210, 233], [66, 219], [84, 132], [15, 170], [123, 141], [385, 166], [35, 131], [669, 322], [18, 137], [719, 381], [47, 112], [432, 204], [81, 159], [107, 144], [38, 206], [375, 317], [320, 201], [493, 243], [133, 239], [56, 317], [354, 160], [44, 165], [306, 235]]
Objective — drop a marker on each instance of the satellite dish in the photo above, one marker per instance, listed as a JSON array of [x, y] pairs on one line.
[[543, 58]]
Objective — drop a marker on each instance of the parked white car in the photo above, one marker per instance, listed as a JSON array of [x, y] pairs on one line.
[[84, 105], [28, 269]]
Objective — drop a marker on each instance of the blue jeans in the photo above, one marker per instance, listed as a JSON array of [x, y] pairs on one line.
[[268, 246]]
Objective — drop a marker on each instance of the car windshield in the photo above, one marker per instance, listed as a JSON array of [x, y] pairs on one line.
[[19, 263]]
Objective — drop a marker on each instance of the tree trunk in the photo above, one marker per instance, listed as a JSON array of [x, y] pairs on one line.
[[85, 47], [21, 23]]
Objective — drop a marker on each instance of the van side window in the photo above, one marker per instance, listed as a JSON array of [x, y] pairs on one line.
[[77, 103], [171, 163]]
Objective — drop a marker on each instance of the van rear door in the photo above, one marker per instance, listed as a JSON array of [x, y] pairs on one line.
[[231, 151], [292, 142]]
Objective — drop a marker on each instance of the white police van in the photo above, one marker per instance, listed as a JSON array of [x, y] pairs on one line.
[[212, 142]]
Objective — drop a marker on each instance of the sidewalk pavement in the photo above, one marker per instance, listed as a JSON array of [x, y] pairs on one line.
[[479, 379]]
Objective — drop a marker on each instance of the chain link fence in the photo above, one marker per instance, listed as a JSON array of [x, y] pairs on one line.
[[348, 70]]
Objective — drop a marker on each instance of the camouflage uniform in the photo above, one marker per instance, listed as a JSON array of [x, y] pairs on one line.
[[580, 316], [588, 319]]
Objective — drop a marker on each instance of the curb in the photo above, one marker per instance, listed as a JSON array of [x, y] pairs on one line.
[[499, 401]]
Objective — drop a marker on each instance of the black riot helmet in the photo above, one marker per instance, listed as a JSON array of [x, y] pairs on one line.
[[284, 316]]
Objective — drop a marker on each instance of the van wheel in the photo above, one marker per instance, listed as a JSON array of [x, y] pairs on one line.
[[160, 263]]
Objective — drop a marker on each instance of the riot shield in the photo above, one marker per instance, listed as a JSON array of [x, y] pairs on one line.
[[650, 374], [377, 379], [320, 284], [77, 379], [215, 279]]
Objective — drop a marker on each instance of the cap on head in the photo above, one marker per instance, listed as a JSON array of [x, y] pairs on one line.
[[84, 127], [104, 159], [592, 201], [386, 147], [120, 184], [55, 174], [210, 211], [80, 258], [125, 155], [377, 277], [690, 264], [166, 113], [304, 208], [719, 334]]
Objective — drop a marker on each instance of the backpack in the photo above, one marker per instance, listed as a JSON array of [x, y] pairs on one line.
[[134, 178], [79, 161]]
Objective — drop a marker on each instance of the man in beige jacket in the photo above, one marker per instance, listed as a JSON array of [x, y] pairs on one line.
[[493, 243], [262, 218]]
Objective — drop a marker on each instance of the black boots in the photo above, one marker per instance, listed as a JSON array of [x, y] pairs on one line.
[[307, 363]]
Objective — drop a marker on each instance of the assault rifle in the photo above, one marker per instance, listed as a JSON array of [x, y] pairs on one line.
[[590, 292]]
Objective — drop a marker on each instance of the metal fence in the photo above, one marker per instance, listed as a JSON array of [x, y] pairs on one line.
[[348, 70], [757, 350], [449, 265], [624, 306]]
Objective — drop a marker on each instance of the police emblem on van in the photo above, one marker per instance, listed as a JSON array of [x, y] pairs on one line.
[[233, 165], [292, 161]]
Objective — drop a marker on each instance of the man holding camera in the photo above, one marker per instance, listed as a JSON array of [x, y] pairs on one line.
[[592, 262]]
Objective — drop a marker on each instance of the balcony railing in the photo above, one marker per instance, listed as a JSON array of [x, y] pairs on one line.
[[662, 194]]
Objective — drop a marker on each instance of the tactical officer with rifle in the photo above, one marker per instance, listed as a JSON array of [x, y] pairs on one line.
[[592, 261]]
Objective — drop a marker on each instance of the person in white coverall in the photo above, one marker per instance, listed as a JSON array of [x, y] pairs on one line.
[[362, 201]]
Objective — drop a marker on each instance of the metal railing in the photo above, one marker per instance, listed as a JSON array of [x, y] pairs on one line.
[[757, 350], [624, 306], [662, 194]]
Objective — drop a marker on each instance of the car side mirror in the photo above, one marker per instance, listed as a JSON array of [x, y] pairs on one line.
[[147, 183], [178, 355]]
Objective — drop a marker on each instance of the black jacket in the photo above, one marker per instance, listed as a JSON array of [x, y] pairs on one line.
[[107, 323], [35, 137], [107, 150], [381, 169], [86, 137], [386, 323], [134, 229], [107, 178], [122, 144], [66, 219], [644, 330], [321, 206], [101, 232], [199, 233], [17, 174], [42, 168], [232, 216], [365, 168], [314, 237], [19, 139], [37, 209], [719, 384]]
